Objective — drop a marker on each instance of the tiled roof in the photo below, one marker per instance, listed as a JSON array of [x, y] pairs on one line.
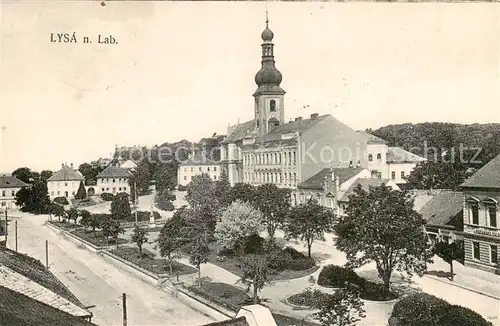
[[11, 182], [298, 126], [240, 131], [486, 177], [372, 139], [34, 270], [114, 172], [443, 207], [199, 159], [66, 174], [20, 310], [240, 321], [365, 183], [399, 155], [317, 180]]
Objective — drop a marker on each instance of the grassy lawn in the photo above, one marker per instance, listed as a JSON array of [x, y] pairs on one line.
[[62, 225], [232, 264], [233, 298], [97, 239], [152, 264]]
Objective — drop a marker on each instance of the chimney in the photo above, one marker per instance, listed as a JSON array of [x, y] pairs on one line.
[[314, 116], [71, 165], [337, 184], [62, 165], [298, 119]]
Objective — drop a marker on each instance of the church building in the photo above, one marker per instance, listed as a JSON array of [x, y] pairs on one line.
[[267, 149]]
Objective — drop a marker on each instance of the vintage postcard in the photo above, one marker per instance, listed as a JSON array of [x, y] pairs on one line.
[[249, 163]]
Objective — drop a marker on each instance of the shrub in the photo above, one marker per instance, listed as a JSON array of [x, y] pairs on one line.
[[308, 298], [253, 244], [181, 188], [295, 254], [106, 196], [165, 205], [61, 200], [337, 276], [418, 309], [458, 315], [375, 292], [156, 215], [299, 264]]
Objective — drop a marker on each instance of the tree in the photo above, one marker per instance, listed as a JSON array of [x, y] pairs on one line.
[[449, 252], [255, 268], [223, 189], [34, 199], [120, 207], [24, 174], [139, 238], [57, 210], [237, 222], [96, 220], [172, 237], [202, 198], [45, 174], [141, 178], [111, 228], [381, 226], [437, 175], [73, 214], [343, 308], [274, 203], [81, 193], [86, 219], [309, 222], [244, 192], [198, 252], [89, 171]]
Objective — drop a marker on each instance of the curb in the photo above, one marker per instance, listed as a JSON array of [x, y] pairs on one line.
[[463, 287]]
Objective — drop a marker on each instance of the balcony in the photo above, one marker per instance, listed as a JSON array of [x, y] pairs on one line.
[[482, 230]]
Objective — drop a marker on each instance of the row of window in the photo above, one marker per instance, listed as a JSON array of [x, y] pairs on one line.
[[379, 157], [57, 184], [393, 175], [200, 169], [491, 213], [52, 193], [114, 189], [188, 178], [12, 193], [288, 158], [114, 180], [287, 179], [476, 252]]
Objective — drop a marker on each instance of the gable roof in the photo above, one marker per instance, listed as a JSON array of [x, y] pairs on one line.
[[317, 180], [66, 174], [33, 270], [300, 126], [398, 155], [20, 310], [113, 171], [443, 207], [128, 164], [240, 321], [371, 139], [365, 183], [198, 159], [240, 131], [8, 181], [486, 177]]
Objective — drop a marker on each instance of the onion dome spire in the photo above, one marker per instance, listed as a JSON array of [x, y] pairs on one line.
[[268, 74]]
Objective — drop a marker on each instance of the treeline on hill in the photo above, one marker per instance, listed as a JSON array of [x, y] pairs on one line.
[[454, 151]]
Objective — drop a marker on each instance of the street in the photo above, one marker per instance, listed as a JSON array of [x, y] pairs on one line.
[[95, 282]]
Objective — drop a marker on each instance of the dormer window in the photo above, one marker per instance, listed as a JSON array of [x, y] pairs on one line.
[[272, 106]]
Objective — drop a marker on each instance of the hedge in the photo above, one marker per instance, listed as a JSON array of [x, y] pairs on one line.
[[106, 196], [61, 200], [424, 309], [165, 205], [334, 276], [181, 188], [143, 216]]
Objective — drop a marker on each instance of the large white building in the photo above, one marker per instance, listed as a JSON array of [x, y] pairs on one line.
[[113, 179], [65, 182], [9, 186], [196, 165]]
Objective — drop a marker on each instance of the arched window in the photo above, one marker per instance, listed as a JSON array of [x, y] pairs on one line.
[[370, 157], [272, 106]]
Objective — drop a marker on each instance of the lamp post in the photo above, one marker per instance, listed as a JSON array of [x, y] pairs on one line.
[[136, 201]]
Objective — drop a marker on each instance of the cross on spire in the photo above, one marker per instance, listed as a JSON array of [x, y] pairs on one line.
[[267, 17]]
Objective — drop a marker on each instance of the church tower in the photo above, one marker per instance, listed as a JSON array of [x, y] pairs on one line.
[[269, 96]]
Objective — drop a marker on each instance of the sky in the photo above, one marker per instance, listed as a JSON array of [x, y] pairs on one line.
[[184, 70]]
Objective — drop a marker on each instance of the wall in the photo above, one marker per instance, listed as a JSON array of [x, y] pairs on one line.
[[119, 185], [397, 168], [378, 165], [58, 188], [187, 172], [8, 196]]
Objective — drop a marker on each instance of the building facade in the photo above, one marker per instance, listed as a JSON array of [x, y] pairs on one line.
[[64, 183], [9, 186], [197, 165], [481, 217], [113, 180]]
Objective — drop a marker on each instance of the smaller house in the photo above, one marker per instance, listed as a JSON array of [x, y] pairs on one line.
[[365, 183], [195, 165], [9, 186], [65, 182], [113, 180], [401, 163], [326, 185], [444, 215]]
